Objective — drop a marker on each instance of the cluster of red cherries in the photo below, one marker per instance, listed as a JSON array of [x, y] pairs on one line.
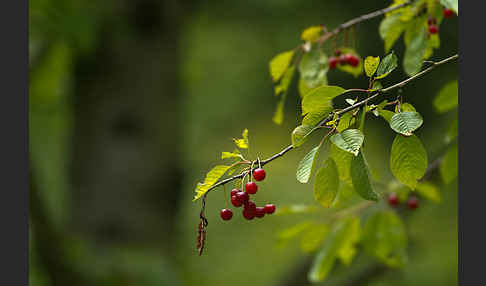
[[343, 59], [432, 23], [240, 198], [394, 201]]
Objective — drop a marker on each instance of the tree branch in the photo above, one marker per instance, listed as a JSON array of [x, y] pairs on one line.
[[360, 19], [340, 112]]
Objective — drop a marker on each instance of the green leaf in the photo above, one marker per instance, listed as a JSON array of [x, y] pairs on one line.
[[303, 87], [387, 65], [306, 165], [211, 178], [279, 111], [406, 122], [313, 237], [406, 107], [343, 162], [376, 86], [319, 99], [351, 101], [325, 259], [326, 184], [285, 82], [311, 34], [452, 131], [429, 191], [313, 118], [390, 30], [370, 65], [225, 155], [386, 114], [448, 167], [300, 135], [347, 249], [433, 42], [279, 64], [408, 160], [360, 175], [313, 68], [349, 140], [345, 122], [416, 44], [385, 237], [243, 142], [447, 98], [451, 4]]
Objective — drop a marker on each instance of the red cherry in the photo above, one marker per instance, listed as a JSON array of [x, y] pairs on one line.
[[433, 29], [337, 52], [412, 203], [226, 214], [243, 197], [235, 201], [431, 21], [269, 208], [342, 60], [251, 188], [259, 174], [260, 212], [248, 214], [233, 192], [250, 205], [448, 13], [353, 60], [393, 199], [333, 62]]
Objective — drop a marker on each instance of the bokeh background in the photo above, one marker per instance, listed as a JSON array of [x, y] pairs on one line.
[[131, 103]]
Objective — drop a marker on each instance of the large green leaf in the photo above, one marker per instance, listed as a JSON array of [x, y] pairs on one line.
[[313, 118], [306, 165], [319, 99], [406, 122], [360, 175], [448, 167], [385, 237], [390, 30], [387, 65], [325, 259], [370, 65], [408, 160], [350, 140], [326, 184], [343, 162], [447, 98], [279, 64], [313, 68], [300, 135], [416, 44], [406, 107], [211, 178]]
